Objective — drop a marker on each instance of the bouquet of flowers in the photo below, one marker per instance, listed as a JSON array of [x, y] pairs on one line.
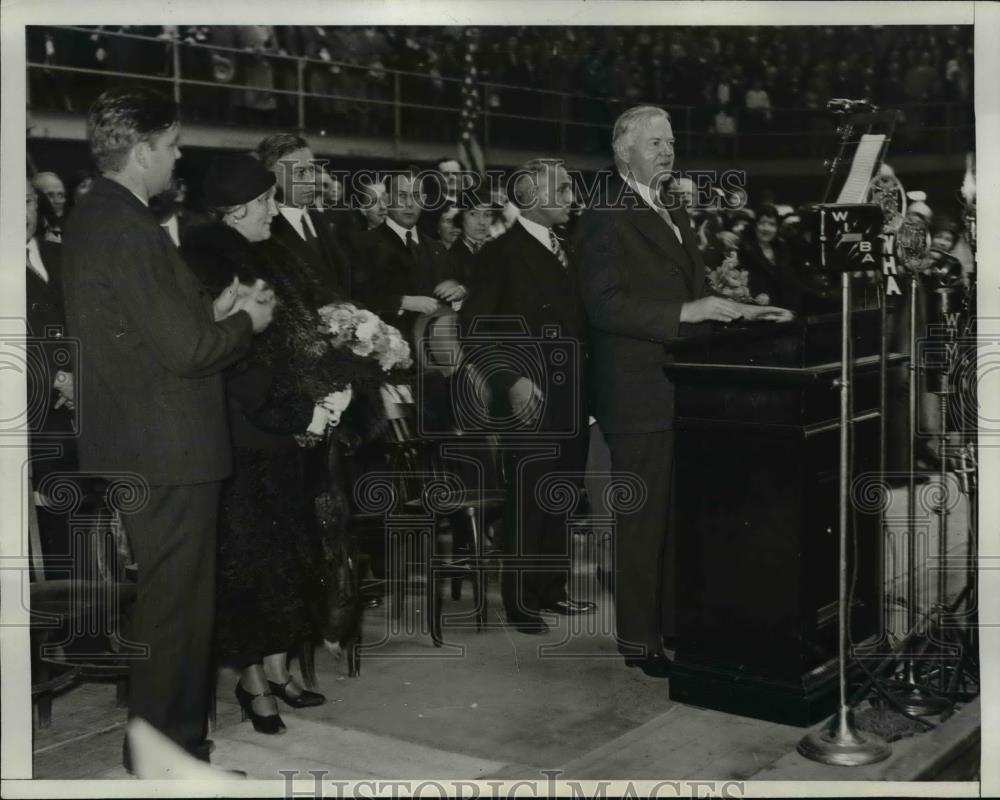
[[728, 280], [367, 337]]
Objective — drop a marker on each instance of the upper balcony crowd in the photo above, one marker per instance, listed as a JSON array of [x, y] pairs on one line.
[[731, 90]]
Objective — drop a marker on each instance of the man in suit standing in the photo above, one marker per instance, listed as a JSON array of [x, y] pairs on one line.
[[527, 275], [642, 277], [299, 227], [399, 272], [52, 434], [151, 397]]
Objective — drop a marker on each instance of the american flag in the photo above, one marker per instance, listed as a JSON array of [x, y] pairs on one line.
[[469, 151]]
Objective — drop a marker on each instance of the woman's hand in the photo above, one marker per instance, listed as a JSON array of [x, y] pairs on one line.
[[320, 420], [225, 303], [336, 403]]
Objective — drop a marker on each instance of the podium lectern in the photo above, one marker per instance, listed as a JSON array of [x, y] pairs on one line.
[[757, 433]]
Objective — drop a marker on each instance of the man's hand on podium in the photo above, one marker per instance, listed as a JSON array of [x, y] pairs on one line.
[[719, 309]]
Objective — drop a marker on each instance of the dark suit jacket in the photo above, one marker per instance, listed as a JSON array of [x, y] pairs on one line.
[[149, 389], [519, 277], [384, 271], [330, 268], [635, 276], [466, 265], [46, 319]]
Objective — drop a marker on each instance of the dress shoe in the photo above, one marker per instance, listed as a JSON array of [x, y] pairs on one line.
[[527, 623], [569, 608], [654, 666], [304, 699], [262, 724]]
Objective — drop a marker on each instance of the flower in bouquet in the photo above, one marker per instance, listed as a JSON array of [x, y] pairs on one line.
[[728, 280], [365, 335], [337, 318]]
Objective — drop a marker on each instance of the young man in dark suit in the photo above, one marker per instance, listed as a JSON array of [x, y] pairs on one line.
[[526, 277], [399, 272], [150, 398], [299, 226], [642, 276]]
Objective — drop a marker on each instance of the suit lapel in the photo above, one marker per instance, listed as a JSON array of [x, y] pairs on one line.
[[650, 225], [694, 264]]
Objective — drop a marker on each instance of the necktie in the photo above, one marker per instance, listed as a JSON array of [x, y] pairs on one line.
[[557, 250], [411, 245], [665, 216]]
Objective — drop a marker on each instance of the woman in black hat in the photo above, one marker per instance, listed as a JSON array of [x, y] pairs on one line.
[[269, 570]]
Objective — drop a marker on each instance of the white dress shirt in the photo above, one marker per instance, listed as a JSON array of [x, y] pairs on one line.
[[540, 232], [170, 226], [401, 232], [651, 200], [295, 215], [35, 260]]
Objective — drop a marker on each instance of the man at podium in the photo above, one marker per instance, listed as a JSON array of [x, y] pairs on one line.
[[642, 275]]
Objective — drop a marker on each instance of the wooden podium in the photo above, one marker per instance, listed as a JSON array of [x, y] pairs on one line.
[[757, 427]]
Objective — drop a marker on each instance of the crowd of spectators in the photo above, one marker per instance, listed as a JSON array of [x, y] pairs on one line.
[[721, 80]]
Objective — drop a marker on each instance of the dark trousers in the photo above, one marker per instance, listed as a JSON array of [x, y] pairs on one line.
[[535, 522], [173, 541], [645, 543]]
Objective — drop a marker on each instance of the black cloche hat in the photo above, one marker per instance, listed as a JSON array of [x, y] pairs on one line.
[[233, 180]]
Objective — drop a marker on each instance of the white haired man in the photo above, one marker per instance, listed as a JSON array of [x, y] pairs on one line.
[[642, 276]]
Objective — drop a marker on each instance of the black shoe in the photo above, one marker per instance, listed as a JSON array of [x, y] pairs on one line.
[[569, 608], [270, 724], [524, 622], [303, 700], [654, 666]]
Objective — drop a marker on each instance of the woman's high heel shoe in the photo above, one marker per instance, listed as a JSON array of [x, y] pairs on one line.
[[304, 700], [261, 724]]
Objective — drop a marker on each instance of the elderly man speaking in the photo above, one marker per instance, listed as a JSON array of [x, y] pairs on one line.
[[641, 277]]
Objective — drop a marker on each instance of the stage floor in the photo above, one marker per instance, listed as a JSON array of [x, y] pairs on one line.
[[497, 704]]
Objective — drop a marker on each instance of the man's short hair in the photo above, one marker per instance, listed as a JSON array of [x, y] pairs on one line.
[[121, 118], [275, 147], [527, 176], [631, 121], [411, 171]]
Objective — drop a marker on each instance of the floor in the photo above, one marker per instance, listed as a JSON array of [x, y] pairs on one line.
[[488, 705]]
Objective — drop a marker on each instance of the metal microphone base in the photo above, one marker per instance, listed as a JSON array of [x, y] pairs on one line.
[[843, 745]]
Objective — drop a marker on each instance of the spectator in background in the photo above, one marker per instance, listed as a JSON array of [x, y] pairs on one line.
[[51, 185], [724, 128], [447, 227], [371, 204], [474, 220], [765, 257], [442, 194], [298, 227], [257, 105], [400, 272]]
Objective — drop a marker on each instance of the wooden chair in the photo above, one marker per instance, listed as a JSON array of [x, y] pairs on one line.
[[75, 620]]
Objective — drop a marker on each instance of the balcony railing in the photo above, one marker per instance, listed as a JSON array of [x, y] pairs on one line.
[[222, 85]]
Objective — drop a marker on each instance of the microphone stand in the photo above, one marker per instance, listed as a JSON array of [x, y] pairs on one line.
[[912, 698], [841, 743]]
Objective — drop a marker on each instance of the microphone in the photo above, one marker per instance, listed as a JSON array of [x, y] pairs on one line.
[[842, 105]]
